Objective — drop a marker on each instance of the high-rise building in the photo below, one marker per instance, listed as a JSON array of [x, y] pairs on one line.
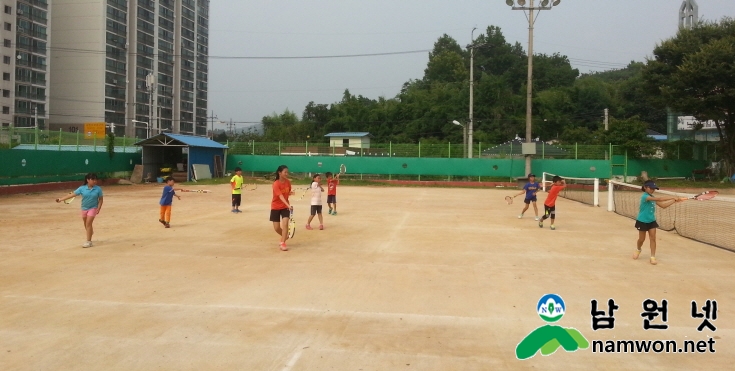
[[688, 14], [25, 62], [141, 65]]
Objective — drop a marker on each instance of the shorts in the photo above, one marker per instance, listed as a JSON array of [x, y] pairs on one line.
[[529, 200], [277, 215], [645, 227], [550, 211], [89, 212], [236, 199], [316, 209], [332, 199]]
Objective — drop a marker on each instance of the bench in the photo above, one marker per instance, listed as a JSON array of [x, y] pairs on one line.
[[702, 174]]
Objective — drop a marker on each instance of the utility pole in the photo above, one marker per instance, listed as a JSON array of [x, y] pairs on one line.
[[211, 131], [607, 118], [529, 88], [150, 81], [472, 92]]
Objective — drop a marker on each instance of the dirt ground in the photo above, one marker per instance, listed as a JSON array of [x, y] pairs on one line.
[[402, 279]]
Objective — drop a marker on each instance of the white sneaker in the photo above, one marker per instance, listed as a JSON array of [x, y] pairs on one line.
[[537, 218], [520, 216], [87, 244]]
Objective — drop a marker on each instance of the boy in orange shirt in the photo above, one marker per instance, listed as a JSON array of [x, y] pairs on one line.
[[332, 183], [550, 203]]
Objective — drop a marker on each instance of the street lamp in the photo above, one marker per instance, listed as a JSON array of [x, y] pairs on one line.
[[530, 148], [464, 136], [147, 126]]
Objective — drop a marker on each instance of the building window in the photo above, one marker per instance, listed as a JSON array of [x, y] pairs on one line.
[[6, 76], [6, 93], [8, 26], [6, 43], [8, 10], [6, 59], [6, 110], [345, 142]]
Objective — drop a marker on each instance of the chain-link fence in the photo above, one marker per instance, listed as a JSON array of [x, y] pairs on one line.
[[31, 138]]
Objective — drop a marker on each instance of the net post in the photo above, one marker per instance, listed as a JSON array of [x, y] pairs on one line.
[[543, 181], [597, 192], [610, 206]]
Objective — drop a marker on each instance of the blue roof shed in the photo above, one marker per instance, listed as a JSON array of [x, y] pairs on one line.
[[171, 149]]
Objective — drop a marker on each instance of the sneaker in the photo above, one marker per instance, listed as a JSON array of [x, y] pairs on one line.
[[308, 227], [636, 254], [330, 211], [162, 221], [334, 213], [167, 225], [87, 244], [321, 227], [541, 224], [520, 216], [553, 228], [282, 246], [233, 211], [537, 218], [653, 260]]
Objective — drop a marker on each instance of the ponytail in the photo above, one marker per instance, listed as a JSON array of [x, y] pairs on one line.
[[279, 170]]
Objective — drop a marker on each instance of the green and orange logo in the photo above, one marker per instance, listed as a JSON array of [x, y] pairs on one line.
[[549, 338]]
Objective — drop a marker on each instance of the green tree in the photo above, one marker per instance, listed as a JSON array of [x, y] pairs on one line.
[[631, 134], [694, 72]]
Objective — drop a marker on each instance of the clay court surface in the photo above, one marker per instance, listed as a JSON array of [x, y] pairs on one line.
[[402, 279]]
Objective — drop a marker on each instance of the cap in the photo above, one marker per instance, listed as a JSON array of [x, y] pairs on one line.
[[650, 184], [532, 175]]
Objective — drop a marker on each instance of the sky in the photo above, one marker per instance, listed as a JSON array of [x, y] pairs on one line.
[[596, 35]]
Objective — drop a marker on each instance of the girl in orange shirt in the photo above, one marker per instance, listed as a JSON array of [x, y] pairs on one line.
[[280, 207]]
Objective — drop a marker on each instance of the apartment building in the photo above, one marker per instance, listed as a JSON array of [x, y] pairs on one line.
[[141, 65], [25, 62]]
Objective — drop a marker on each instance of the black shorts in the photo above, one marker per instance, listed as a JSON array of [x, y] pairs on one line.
[[236, 199], [550, 211], [316, 209], [332, 199], [645, 227], [529, 200], [277, 215]]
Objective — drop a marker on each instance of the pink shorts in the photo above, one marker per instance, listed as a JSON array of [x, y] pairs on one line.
[[90, 212]]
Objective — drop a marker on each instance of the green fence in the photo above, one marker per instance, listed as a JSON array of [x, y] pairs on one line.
[[12, 137], [30, 167]]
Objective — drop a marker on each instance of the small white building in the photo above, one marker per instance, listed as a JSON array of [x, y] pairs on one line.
[[351, 139]]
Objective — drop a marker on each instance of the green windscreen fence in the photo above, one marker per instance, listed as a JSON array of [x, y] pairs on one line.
[[29, 166]]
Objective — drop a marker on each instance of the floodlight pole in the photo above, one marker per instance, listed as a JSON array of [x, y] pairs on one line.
[[529, 88], [472, 93]]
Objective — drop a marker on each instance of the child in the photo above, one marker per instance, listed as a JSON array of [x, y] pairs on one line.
[[550, 203], [280, 207], [530, 189], [332, 183], [91, 203], [646, 220], [316, 201], [167, 199], [236, 185]]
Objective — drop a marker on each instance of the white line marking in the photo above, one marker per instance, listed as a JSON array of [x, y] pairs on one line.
[[294, 359]]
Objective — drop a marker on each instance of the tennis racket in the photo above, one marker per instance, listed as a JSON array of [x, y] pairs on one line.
[[304, 192], [69, 200], [250, 187], [509, 200], [291, 225], [704, 196], [342, 169], [195, 190]]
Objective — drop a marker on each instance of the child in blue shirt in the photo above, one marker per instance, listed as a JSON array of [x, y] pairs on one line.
[[530, 189], [91, 203], [167, 199], [646, 220]]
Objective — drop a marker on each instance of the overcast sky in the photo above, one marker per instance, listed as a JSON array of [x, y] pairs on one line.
[[595, 34]]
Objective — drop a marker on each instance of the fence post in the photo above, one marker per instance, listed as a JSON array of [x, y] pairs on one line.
[[361, 146], [479, 149], [333, 149], [94, 140], [253, 149], [575, 150], [279, 147], [77, 140], [678, 152], [10, 138], [36, 132], [419, 155], [390, 152], [450, 149], [511, 150], [59, 139], [543, 150], [625, 171]]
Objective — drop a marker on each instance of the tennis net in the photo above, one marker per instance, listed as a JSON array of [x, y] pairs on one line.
[[584, 190], [704, 221]]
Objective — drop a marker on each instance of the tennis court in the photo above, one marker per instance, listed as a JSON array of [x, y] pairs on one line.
[[402, 279]]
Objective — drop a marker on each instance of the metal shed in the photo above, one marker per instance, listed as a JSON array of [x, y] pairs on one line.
[[172, 150]]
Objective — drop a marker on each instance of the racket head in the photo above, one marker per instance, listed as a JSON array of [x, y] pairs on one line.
[[704, 196], [250, 187], [509, 200], [69, 200], [342, 169], [303, 194], [291, 225]]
